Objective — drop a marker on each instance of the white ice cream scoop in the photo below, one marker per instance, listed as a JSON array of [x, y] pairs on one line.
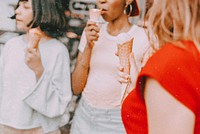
[[95, 15]]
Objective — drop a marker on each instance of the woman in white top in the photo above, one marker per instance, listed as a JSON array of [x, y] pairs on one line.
[[95, 73], [35, 80]]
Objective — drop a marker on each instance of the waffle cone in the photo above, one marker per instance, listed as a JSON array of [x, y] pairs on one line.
[[124, 51], [34, 37]]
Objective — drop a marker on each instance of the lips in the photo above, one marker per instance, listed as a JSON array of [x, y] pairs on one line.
[[17, 19], [103, 10]]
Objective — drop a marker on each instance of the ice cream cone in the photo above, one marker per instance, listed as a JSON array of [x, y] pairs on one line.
[[124, 51], [34, 37], [94, 15]]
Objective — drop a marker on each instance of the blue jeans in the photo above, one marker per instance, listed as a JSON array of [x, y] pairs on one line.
[[90, 120]]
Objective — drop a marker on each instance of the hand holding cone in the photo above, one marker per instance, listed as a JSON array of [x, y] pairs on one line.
[[34, 38], [124, 51]]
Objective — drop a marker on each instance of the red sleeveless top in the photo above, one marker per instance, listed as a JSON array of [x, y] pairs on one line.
[[178, 71]]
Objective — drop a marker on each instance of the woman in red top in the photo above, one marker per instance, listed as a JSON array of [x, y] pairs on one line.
[[166, 99]]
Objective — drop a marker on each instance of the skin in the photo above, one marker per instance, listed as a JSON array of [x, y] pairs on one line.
[[24, 15], [117, 22], [166, 115]]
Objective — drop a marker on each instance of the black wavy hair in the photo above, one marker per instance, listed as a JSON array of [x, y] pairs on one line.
[[49, 16]]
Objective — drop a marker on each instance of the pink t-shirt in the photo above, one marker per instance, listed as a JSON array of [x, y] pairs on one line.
[[102, 89]]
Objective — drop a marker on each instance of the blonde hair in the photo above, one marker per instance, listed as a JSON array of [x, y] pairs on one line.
[[175, 20]]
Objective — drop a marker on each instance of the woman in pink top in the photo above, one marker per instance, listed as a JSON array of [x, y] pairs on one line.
[[96, 68]]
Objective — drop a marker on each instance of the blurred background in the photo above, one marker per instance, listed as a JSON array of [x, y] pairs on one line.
[[76, 12]]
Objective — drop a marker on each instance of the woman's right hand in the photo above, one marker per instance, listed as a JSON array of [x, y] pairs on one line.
[[91, 31], [33, 61]]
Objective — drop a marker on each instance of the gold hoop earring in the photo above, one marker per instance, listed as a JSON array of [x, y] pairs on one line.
[[128, 10]]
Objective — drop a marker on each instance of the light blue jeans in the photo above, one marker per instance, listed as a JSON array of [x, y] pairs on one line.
[[90, 120]]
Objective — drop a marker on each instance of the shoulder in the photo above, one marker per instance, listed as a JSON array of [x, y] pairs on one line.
[[175, 67], [136, 30], [57, 46], [13, 42], [54, 49], [177, 70], [55, 54], [141, 41], [171, 54], [169, 57], [139, 33]]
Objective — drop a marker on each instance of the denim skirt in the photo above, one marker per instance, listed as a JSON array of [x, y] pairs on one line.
[[91, 120]]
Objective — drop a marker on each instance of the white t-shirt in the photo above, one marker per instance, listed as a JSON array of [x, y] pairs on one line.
[[102, 89], [26, 103]]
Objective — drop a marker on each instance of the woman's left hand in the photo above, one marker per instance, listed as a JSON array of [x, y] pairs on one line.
[[128, 78], [33, 61]]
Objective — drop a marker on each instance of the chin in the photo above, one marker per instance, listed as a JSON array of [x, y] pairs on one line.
[[107, 19], [22, 28]]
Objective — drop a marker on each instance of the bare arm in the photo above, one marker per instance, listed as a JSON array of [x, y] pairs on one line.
[[80, 73], [166, 115]]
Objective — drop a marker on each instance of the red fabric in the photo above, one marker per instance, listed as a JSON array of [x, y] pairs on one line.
[[178, 71]]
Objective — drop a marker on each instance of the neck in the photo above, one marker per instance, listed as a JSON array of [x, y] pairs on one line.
[[118, 26], [43, 39]]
